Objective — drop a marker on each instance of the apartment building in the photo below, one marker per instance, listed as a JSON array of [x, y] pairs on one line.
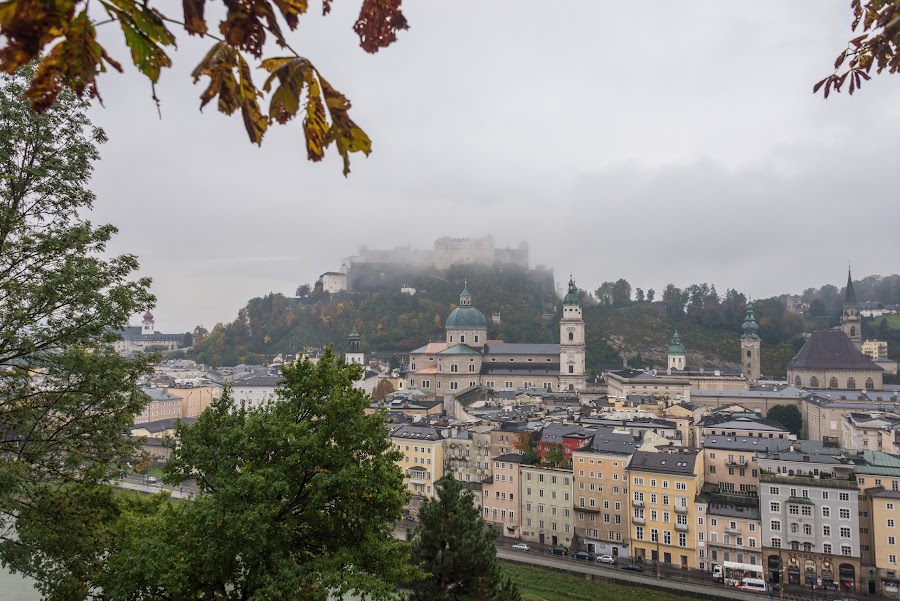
[[600, 478], [500, 497], [878, 479], [422, 462], [730, 461], [728, 529], [664, 516], [810, 518], [468, 455], [546, 495]]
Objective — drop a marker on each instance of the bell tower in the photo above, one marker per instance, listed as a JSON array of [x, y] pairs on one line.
[[354, 349], [851, 322], [750, 362], [571, 342]]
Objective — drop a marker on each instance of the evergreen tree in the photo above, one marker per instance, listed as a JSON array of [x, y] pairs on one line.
[[456, 549], [788, 416]]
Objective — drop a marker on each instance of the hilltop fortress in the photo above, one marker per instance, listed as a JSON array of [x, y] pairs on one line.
[[372, 267]]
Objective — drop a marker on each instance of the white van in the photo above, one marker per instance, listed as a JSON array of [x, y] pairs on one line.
[[754, 585]]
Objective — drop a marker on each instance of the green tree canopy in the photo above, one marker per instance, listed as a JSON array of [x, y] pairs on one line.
[[299, 497], [382, 389], [788, 416], [455, 547], [66, 399]]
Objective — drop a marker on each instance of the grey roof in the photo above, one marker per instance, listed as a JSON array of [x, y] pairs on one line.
[[509, 457], [747, 424], [160, 394], [517, 348], [553, 433], [785, 392], [831, 349], [744, 443], [161, 425], [260, 381], [413, 432], [608, 440], [662, 462]]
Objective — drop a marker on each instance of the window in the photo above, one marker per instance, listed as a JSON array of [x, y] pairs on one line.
[[844, 496], [826, 530], [845, 513], [833, 383], [814, 382], [776, 542], [845, 532], [826, 512], [846, 550], [892, 558], [775, 507], [890, 523], [775, 526], [794, 509], [892, 540]]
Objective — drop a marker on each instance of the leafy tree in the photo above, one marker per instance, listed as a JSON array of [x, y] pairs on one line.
[[456, 549], [382, 389], [155, 348], [76, 59], [187, 340], [788, 416], [200, 333], [65, 397], [638, 295], [300, 497], [674, 300], [528, 445], [605, 293], [650, 295], [554, 454], [621, 292]]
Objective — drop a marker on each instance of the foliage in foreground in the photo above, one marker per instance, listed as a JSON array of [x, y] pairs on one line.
[[66, 399], [456, 549], [300, 494]]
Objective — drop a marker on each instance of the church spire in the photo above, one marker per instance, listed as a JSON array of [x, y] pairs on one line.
[[750, 327], [572, 297], [850, 294], [465, 297]]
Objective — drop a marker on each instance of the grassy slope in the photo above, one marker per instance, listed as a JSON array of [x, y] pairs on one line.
[[536, 584]]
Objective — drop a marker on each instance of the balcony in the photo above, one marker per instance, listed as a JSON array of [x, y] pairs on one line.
[[730, 530], [636, 503], [637, 521], [418, 476], [736, 462], [681, 527], [681, 509]]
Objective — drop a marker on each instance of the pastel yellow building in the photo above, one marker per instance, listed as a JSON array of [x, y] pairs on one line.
[[422, 462], [663, 513]]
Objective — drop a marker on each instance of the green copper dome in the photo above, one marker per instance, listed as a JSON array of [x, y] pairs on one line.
[[676, 348], [750, 327], [465, 316], [572, 297]]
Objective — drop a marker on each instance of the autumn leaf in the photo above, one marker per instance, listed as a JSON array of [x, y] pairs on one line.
[[348, 136], [291, 75], [378, 23], [242, 27], [290, 10], [230, 80], [194, 21], [29, 25], [144, 32], [315, 127], [74, 62]]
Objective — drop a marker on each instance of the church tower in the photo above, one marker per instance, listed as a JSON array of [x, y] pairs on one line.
[[148, 325], [750, 366], [571, 342], [676, 354], [851, 323], [354, 349]]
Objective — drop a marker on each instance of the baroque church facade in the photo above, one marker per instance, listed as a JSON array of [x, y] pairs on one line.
[[466, 358]]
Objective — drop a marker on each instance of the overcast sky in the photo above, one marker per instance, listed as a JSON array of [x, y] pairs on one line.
[[657, 141]]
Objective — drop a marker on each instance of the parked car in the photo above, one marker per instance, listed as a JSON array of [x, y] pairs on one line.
[[152, 480], [521, 547], [606, 559], [559, 551], [632, 567], [584, 556]]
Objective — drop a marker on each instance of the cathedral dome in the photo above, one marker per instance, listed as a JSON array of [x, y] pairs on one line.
[[466, 317]]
